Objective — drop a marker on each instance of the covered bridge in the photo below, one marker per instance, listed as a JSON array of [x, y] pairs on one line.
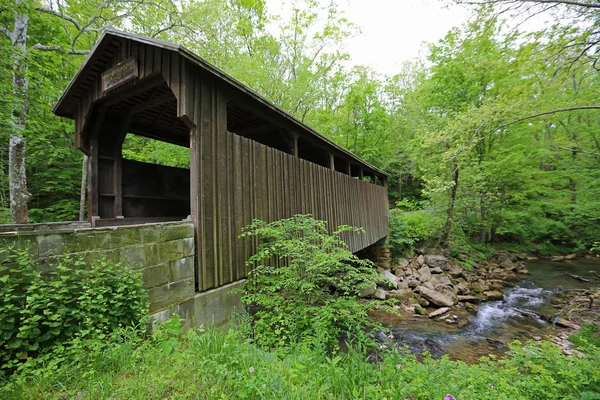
[[248, 158]]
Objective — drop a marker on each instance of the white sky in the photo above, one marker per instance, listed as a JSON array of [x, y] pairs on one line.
[[393, 30]]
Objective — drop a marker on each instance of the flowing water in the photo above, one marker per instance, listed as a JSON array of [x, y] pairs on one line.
[[497, 322]]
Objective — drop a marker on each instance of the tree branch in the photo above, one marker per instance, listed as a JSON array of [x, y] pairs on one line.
[[550, 113], [576, 150], [60, 15], [6, 32], [565, 2], [42, 47], [61, 49], [79, 52]]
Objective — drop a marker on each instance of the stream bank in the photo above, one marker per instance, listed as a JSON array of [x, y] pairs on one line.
[[478, 312]]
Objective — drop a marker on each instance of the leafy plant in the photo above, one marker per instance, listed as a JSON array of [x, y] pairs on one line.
[[167, 334], [408, 229], [303, 284], [588, 335], [73, 300]]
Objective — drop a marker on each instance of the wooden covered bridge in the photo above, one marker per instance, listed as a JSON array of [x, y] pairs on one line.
[[248, 158]]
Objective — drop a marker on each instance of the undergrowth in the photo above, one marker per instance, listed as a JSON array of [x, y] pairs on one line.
[[220, 364], [303, 285], [587, 335], [63, 306]]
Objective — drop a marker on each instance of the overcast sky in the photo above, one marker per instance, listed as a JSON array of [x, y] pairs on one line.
[[393, 30]]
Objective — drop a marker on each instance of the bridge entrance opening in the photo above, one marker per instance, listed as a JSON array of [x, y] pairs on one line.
[[140, 157]]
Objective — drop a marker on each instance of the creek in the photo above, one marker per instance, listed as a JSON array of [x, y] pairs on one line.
[[496, 323]]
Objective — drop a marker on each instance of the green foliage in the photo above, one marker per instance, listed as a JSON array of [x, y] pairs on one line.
[[532, 184], [587, 336], [406, 229], [303, 284], [167, 334], [469, 253], [155, 152], [70, 302], [499, 180], [407, 205], [219, 365]]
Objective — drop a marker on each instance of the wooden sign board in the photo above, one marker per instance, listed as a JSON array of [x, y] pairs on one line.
[[120, 74]]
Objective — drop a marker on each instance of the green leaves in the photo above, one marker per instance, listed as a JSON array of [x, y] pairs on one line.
[[303, 284], [496, 175], [72, 300]]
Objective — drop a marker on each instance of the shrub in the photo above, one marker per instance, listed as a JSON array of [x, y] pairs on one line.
[[587, 336], [72, 301], [408, 229], [303, 284]]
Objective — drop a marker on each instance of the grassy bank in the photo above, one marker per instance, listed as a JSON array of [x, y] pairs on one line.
[[220, 365]]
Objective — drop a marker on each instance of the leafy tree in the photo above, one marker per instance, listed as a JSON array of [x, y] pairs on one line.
[[578, 20], [490, 160], [59, 31]]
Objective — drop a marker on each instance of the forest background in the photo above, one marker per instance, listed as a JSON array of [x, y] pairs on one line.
[[492, 138]]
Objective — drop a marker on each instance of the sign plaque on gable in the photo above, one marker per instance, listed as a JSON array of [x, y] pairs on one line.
[[120, 74]]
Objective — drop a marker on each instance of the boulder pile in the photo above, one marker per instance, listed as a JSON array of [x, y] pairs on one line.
[[430, 280]]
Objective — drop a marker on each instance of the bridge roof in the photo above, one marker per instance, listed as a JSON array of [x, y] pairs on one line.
[[68, 101]]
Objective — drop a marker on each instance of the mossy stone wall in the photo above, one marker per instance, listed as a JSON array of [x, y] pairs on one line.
[[164, 252]]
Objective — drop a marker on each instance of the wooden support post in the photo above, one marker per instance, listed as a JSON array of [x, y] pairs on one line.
[[384, 180], [361, 174], [348, 168], [93, 213], [208, 193], [331, 162], [294, 144], [93, 195], [118, 166]]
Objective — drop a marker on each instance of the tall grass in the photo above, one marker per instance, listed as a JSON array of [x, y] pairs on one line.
[[221, 365]]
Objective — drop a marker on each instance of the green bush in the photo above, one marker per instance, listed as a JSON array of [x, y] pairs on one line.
[[408, 229], [72, 301], [303, 284]]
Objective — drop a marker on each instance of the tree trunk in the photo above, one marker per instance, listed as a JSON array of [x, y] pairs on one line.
[[573, 182], [446, 234], [16, 151], [83, 195]]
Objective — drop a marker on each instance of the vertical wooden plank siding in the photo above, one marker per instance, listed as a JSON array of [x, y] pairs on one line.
[[243, 180], [234, 180]]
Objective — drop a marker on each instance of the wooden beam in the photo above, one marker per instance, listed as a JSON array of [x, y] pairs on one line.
[[127, 92], [152, 131], [256, 129], [331, 162], [155, 102], [295, 144]]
